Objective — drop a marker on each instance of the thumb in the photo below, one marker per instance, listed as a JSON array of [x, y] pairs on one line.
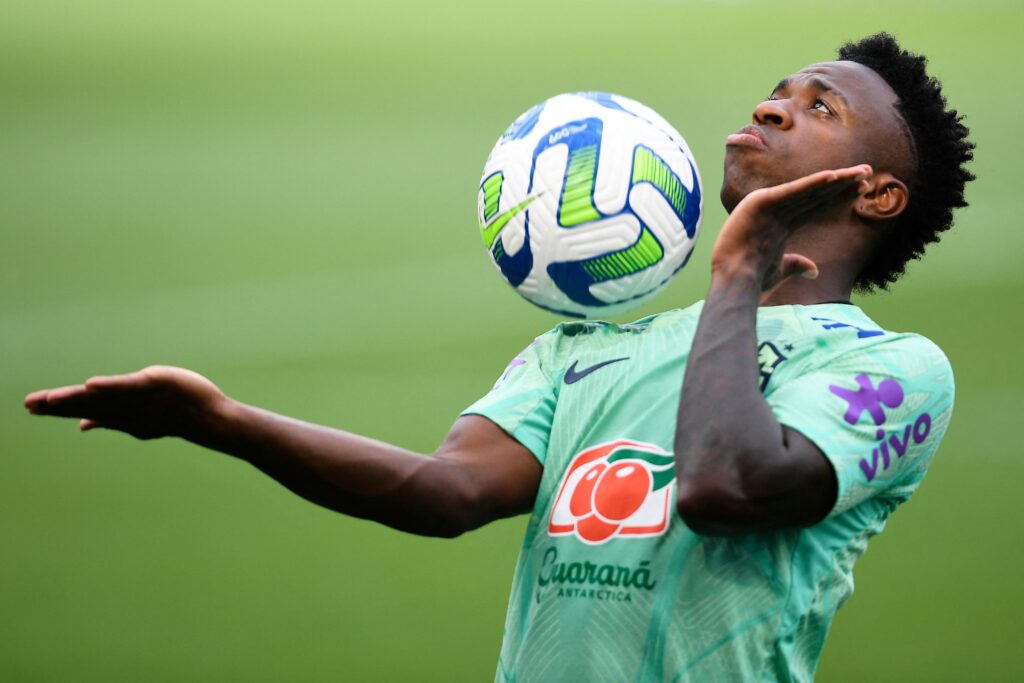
[[797, 264]]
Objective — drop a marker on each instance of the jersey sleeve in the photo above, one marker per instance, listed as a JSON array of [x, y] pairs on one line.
[[877, 413], [522, 401]]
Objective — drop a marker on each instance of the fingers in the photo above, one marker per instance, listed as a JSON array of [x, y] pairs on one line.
[[96, 398], [44, 401], [36, 398], [858, 172], [76, 401], [812, 188], [851, 173], [93, 409], [132, 381], [146, 404]]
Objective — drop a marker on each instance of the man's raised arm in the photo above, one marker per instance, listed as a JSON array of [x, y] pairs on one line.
[[478, 474], [738, 469]]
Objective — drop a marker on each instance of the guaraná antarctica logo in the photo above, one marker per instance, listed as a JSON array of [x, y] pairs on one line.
[[621, 489], [867, 398], [590, 581]]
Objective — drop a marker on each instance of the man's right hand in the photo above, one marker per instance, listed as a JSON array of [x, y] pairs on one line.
[[154, 402], [478, 474], [755, 233]]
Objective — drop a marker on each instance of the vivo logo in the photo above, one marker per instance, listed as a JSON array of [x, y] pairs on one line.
[[918, 431], [873, 400]]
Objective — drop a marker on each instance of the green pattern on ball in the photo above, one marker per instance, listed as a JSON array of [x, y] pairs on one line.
[[492, 193], [645, 253], [648, 168], [577, 204]]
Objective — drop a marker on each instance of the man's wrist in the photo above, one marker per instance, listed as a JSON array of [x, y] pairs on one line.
[[215, 425]]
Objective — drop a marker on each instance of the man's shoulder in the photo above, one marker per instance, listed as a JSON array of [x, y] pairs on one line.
[[847, 348], [895, 344], [837, 343], [846, 330]]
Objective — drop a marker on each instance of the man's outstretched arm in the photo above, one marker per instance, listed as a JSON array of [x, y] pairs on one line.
[[477, 475], [738, 469]]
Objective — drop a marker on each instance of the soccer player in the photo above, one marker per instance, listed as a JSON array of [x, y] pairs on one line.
[[695, 529]]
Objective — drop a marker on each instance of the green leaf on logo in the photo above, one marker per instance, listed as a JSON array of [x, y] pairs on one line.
[[662, 471]]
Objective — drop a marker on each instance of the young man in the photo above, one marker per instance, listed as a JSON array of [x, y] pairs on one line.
[[799, 427]]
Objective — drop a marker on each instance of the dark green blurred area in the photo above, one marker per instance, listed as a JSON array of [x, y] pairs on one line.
[[282, 197]]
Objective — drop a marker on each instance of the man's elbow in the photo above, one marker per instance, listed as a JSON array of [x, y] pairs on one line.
[[711, 508], [462, 502], [447, 520], [437, 500], [708, 510], [454, 512], [459, 512], [721, 504]]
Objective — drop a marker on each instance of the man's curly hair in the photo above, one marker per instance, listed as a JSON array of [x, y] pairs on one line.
[[940, 147]]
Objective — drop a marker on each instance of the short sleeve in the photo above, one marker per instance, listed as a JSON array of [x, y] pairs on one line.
[[522, 401], [877, 413]]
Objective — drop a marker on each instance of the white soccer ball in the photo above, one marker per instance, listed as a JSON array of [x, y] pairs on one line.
[[589, 204]]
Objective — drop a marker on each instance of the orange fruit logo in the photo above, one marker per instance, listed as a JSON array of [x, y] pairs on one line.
[[618, 489]]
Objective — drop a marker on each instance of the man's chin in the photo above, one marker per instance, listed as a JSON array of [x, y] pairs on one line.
[[736, 184], [730, 197]]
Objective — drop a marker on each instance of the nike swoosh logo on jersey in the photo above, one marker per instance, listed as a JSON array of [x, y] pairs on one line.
[[572, 376], [491, 230]]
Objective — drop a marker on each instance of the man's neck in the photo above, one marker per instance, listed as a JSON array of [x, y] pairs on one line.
[[831, 285], [839, 249]]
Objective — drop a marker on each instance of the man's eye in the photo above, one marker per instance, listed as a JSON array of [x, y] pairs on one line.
[[821, 106]]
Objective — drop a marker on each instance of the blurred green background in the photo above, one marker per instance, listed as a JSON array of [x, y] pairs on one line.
[[282, 197]]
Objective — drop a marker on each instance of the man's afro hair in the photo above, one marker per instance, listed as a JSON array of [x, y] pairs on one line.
[[940, 145]]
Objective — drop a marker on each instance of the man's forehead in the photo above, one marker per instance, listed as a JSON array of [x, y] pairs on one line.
[[850, 78], [867, 95]]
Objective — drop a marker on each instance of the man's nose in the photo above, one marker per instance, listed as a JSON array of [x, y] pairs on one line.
[[773, 113]]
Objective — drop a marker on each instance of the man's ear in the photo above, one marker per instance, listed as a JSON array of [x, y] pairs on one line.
[[882, 196]]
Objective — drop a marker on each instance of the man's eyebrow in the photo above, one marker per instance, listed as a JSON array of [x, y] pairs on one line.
[[817, 84], [821, 85]]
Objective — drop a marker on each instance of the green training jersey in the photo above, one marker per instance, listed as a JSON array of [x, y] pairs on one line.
[[611, 585]]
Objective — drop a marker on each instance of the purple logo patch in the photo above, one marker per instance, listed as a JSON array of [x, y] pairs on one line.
[[866, 398]]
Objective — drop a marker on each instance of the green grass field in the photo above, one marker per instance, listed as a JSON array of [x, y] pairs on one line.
[[283, 197]]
